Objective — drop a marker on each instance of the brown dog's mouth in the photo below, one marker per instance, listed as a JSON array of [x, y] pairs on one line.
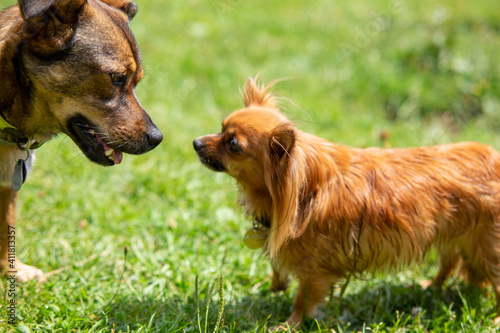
[[113, 155], [92, 143]]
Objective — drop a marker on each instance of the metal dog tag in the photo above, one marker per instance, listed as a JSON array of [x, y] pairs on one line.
[[19, 175], [255, 239]]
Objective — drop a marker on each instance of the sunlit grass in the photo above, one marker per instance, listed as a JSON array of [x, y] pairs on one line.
[[423, 72]]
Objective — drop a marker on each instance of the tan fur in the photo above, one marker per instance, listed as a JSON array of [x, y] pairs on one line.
[[68, 66], [336, 211]]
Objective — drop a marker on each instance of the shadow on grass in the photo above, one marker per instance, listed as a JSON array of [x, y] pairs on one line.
[[384, 306], [253, 313], [409, 306]]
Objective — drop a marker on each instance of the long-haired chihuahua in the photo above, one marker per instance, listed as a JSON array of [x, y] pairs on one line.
[[323, 211]]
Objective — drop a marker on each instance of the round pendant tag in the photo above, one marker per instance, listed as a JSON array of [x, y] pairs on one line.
[[255, 239], [19, 175]]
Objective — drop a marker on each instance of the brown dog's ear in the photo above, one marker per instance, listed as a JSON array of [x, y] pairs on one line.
[[258, 95], [50, 24], [127, 6], [282, 140], [40, 12], [31, 9]]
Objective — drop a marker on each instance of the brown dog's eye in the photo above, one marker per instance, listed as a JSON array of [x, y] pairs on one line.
[[118, 79], [234, 145]]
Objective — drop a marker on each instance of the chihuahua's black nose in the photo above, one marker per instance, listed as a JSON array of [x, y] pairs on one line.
[[197, 144]]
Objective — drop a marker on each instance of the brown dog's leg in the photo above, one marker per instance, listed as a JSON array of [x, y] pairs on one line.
[[8, 198], [312, 291], [7, 218]]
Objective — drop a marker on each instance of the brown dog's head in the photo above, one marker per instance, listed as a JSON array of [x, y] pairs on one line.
[[255, 147], [80, 65]]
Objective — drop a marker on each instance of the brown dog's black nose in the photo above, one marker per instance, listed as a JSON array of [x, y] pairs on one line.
[[154, 138], [197, 144]]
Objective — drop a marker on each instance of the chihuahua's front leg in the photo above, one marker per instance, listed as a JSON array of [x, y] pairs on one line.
[[280, 279], [9, 264]]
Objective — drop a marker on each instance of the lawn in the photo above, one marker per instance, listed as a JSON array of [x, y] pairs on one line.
[[420, 72]]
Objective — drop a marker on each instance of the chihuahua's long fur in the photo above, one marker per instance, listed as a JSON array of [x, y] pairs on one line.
[[334, 211]]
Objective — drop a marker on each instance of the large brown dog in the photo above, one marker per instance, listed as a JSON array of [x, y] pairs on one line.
[[324, 211], [67, 66]]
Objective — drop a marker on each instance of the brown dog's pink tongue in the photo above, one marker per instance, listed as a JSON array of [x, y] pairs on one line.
[[117, 156]]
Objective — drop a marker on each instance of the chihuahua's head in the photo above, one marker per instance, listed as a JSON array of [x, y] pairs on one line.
[[248, 137], [256, 147]]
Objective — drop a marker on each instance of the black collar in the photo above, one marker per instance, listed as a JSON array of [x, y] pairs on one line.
[[11, 136], [263, 220]]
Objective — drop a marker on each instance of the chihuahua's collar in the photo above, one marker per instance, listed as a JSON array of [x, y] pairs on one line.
[[261, 221], [256, 237], [11, 136]]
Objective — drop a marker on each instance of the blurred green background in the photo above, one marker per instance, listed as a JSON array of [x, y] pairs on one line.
[[412, 72]]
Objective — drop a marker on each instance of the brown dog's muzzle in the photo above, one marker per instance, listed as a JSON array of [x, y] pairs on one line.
[[105, 144], [154, 138]]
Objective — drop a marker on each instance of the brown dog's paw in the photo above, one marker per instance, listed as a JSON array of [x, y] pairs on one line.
[[26, 273]]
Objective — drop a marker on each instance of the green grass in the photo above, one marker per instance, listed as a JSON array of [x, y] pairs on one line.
[[424, 72]]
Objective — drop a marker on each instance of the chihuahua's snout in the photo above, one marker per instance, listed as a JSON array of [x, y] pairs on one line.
[[197, 144]]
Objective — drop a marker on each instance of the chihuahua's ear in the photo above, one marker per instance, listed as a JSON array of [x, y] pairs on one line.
[[49, 25], [258, 95], [282, 140], [127, 6], [284, 179]]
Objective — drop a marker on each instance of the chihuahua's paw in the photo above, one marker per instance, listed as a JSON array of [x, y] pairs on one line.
[[280, 286], [279, 283], [292, 324], [425, 284], [26, 273], [284, 327]]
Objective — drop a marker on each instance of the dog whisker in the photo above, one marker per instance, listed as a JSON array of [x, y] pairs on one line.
[[117, 141], [227, 162]]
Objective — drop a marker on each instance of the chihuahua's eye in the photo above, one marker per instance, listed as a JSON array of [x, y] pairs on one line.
[[234, 145], [118, 79]]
